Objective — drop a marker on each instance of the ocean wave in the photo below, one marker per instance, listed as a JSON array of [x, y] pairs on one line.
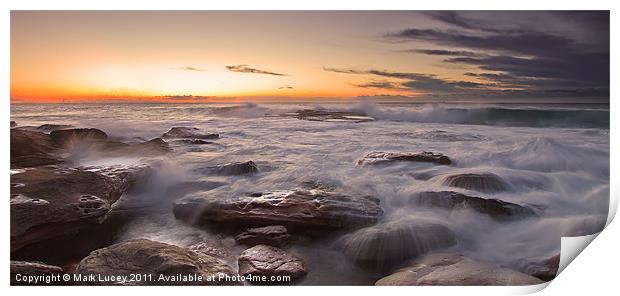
[[488, 115]]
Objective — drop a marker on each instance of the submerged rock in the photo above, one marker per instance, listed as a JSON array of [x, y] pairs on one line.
[[384, 157], [188, 133], [27, 269], [53, 202], [194, 141], [157, 260], [484, 182], [31, 149], [46, 128], [326, 115], [385, 245], [451, 200], [233, 168], [264, 260], [545, 270], [63, 137], [293, 208], [452, 269], [274, 235]]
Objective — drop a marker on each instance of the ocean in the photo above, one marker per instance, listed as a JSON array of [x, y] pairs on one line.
[[552, 158]]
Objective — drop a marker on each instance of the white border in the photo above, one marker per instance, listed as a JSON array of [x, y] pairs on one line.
[[592, 271]]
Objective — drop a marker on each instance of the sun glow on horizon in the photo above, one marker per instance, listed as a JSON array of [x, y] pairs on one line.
[[82, 56]]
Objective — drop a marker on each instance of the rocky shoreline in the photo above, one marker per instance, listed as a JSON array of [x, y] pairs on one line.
[[58, 204]]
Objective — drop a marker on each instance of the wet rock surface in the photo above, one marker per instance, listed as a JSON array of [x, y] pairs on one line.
[[233, 168], [156, 259], [188, 133], [30, 149], [274, 235], [482, 182], [194, 141], [26, 269], [51, 202], [545, 270], [387, 157], [220, 248], [63, 137], [452, 269], [451, 200], [327, 115], [388, 244], [264, 260], [302, 208], [46, 128]]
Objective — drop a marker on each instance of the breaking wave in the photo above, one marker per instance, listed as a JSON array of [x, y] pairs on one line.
[[489, 115]]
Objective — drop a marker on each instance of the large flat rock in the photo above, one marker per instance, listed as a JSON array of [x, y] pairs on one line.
[[302, 208], [50, 202], [158, 261]]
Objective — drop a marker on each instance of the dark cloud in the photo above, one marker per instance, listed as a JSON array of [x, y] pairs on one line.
[[246, 69], [413, 81], [442, 52], [286, 87], [525, 43], [456, 19], [551, 55], [190, 68], [343, 71], [381, 85]]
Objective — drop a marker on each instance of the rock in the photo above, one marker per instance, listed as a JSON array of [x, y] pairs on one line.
[[451, 269], [157, 260], [275, 235], [194, 141], [264, 260], [315, 208], [384, 157], [13, 123], [233, 168], [46, 128], [385, 245], [65, 137], [216, 248], [329, 116], [485, 182], [27, 269], [30, 149], [545, 270], [451, 200], [52, 202], [188, 133]]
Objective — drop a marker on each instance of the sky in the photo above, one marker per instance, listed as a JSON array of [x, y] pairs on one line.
[[211, 56]]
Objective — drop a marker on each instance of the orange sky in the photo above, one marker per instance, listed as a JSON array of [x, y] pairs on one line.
[[93, 56]]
